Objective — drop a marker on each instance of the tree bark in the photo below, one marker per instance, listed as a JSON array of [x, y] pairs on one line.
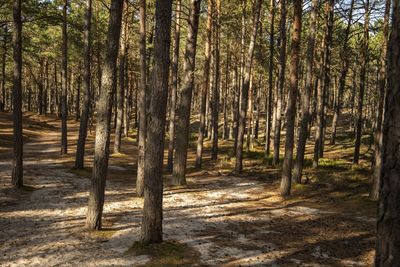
[[17, 163], [104, 109], [3, 71], [64, 63], [388, 231], [151, 230]]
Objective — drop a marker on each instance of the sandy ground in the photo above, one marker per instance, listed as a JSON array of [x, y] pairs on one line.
[[225, 220]]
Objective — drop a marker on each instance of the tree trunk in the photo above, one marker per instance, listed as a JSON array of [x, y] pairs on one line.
[[104, 109], [151, 230], [142, 102], [183, 119], [174, 89], [78, 99], [244, 94], [17, 163], [3, 72], [83, 127], [363, 78], [388, 231], [377, 166], [306, 97], [292, 97], [205, 85], [64, 107]]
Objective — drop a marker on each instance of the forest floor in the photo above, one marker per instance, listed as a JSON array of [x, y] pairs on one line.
[[218, 219]]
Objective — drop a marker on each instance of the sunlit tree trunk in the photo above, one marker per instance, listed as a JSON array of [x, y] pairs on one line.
[[64, 85]]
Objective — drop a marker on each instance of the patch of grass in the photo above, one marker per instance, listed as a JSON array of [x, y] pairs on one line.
[[337, 164], [168, 253], [254, 154], [84, 173], [104, 233]]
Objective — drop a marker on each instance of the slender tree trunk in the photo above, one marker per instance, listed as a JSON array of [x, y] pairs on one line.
[[127, 103], [83, 127], [64, 107], [17, 163], [244, 94], [374, 194], [388, 231], [286, 179], [3, 71], [225, 100], [151, 231], [78, 99], [142, 102], [363, 82], [104, 109], [306, 97], [183, 119], [205, 85], [174, 89]]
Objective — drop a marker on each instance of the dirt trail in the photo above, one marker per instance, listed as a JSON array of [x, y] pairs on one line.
[[225, 220]]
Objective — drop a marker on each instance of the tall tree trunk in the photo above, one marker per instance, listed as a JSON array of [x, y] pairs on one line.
[[388, 231], [216, 82], [17, 163], [244, 94], [142, 102], [3, 71], [183, 119], [64, 63], [78, 99], [205, 85], [270, 81], [292, 97], [174, 89], [281, 81], [83, 127], [104, 109], [306, 96], [225, 100], [151, 230], [363, 78], [345, 57], [374, 194]]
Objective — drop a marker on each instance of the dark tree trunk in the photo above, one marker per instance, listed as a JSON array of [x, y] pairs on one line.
[[244, 94], [205, 85], [151, 231], [17, 163], [306, 97], [142, 102], [3, 72], [64, 63], [286, 179], [104, 108], [174, 88], [377, 167], [388, 231], [216, 83], [183, 118], [83, 127], [78, 99]]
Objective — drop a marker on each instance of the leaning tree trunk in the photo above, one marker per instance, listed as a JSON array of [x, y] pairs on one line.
[[306, 96], [83, 127], [286, 179], [151, 230], [363, 78], [174, 88], [244, 93], [183, 119], [104, 110], [388, 231], [281, 81], [205, 85], [17, 163], [64, 92], [374, 194], [142, 102]]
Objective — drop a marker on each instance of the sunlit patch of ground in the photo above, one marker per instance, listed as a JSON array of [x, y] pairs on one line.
[[217, 219]]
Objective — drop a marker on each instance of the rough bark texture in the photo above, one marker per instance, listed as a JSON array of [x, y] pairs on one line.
[[17, 163], [104, 108], [151, 230], [142, 100], [83, 127], [3, 72], [64, 85], [183, 112], [306, 96], [244, 94], [286, 179], [388, 230], [216, 83], [174, 87], [205, 85]]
